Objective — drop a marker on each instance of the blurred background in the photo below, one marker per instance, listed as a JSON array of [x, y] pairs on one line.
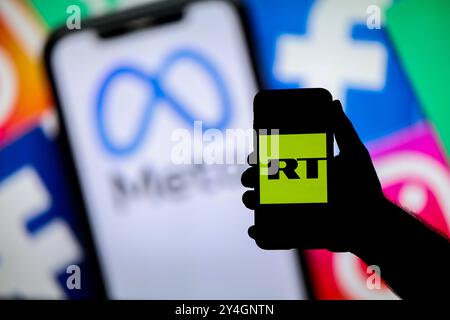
[[387, 61]]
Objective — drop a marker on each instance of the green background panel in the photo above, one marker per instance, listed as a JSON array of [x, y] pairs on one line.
[[419, 30], [54, 14], [286, 190]]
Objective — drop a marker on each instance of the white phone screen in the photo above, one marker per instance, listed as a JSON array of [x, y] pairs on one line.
[[164, 230]]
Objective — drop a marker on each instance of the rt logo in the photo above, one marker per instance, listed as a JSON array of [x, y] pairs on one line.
[[290, 166], [284, 177]]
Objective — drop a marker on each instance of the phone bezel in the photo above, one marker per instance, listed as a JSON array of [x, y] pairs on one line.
[[289, 215]]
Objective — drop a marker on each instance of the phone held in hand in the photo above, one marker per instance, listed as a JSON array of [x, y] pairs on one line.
[[294, 142]]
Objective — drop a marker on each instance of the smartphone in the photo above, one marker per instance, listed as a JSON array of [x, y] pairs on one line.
[[128, 86], [294, 159]]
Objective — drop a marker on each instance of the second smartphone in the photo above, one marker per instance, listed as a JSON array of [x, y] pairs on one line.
[[128, 88]]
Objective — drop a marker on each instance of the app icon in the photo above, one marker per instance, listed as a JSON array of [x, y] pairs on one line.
[[326, 43], [156, 86], [297, 173], [424, 47], [39, 237], [24, 97]]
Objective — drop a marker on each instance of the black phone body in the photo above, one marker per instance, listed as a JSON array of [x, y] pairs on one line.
[[294, 133]]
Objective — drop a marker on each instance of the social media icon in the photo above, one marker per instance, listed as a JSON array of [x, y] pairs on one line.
[[299, 172], [29, 262], [24, 94], [416, 175], [39, 235], [157, 86], [334, 60], [424, 58], [327, 43]]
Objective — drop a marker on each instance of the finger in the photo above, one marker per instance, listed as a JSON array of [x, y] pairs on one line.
[[249, 199], [252, 232], [346, 136], [251, 159], [249, 177]]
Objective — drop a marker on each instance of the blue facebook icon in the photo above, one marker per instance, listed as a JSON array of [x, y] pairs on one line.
[[40, 240], [333, 44]]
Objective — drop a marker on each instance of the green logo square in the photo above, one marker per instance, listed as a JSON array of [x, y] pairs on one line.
[[293, 168]]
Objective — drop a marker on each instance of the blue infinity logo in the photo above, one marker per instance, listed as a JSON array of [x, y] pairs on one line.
[[156, 83]]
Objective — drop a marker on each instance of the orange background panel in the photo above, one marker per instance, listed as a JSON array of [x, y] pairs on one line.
[[32, 92]]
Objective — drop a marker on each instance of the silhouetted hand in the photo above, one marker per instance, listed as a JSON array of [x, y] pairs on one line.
[[355, 185], [413, 257]]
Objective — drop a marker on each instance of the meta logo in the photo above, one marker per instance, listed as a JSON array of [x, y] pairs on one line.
[[293, 168], [290, 166], [158, 93]]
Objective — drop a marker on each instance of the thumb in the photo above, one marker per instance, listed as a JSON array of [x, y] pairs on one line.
[[344, 132]]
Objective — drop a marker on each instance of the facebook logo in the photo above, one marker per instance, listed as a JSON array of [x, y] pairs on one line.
[[328, 56], [39, 238], [328, 43]]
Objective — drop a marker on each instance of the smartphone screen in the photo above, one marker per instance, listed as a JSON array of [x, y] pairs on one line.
[[164, 230], [295, 149]]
